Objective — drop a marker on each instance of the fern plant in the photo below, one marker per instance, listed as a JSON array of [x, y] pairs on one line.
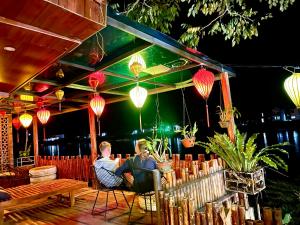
[[187, 132], [158, 148], [242, 154]]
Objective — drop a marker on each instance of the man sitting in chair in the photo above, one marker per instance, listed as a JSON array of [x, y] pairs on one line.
[[105, 167], [140, 167]]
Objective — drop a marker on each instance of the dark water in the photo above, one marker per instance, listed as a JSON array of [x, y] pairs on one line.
[[125, 145]]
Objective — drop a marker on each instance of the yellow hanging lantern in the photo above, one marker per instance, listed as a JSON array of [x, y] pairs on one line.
[[292, 87], [59, 95], [26, 120], [138, 96], [136, 64]]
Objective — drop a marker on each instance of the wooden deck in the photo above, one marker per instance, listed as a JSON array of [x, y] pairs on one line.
[[52, 212]]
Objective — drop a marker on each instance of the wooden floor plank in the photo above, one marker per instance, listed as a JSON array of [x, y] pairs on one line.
[[55, 213]]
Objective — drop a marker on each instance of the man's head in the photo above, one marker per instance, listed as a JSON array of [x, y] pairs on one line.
[[105, 148], [141, 148]]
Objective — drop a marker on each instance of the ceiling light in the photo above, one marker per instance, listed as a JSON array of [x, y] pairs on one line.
[[9, 49]]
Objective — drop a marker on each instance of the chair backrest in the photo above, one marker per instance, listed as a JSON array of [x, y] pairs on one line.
[[106, 178]]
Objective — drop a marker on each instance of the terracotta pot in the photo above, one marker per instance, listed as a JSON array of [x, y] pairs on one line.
[[164, 166], [188, 142], [224, 124]]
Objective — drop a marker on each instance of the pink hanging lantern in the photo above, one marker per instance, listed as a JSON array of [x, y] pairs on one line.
[[43, 115], [97, 104], [204, 81], [96, 79], [17, 124]]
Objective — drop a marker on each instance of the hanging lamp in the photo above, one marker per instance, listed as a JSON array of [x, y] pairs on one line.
[[17, 124], [59, 95], [138, 96], [96, 79], [203, 81], [97, 104], [43, 116], [26, 120], [292, 88], [136, 64]]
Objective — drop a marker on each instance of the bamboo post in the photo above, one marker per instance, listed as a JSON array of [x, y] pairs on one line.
[[249, 222], [203, 218], [277, 216], [216, 211], [180, 216], [268, 216], [242, 213], [198, 218], [258, 222], [234, 214], [209, 213], [92, 134], [171, 210], [185, 211], [35, 139], [157, 189], [166, 206], [227, 102], [162, 208], [192, 210], [176, 219]]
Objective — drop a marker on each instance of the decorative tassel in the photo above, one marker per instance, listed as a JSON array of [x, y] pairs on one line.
[[59, 106], [207, 114], [99, 132], [44, 133], [18, 138], [141, 128]]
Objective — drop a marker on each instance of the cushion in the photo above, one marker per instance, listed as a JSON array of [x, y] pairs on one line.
[[4, 195]]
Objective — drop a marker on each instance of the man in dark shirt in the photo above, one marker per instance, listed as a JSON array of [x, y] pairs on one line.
[[140, 167]]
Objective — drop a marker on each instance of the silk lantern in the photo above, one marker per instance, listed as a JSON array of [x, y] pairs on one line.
[[138, 96], [204, 81], [292, 88], [26, 120], [96, 79], [17, 124], [97, 104], [59, 95], [43, 116], [136, 64]]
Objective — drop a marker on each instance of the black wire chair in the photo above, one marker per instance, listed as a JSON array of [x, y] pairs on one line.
[[109, 178]]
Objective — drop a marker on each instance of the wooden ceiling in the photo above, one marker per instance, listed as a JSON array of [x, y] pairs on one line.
[[170, 65], [40, 32]]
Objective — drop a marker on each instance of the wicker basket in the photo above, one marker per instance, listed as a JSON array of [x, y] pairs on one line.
[[250, 183], [142, 202]]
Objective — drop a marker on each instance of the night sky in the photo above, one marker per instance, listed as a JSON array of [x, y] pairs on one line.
[[255, 89]]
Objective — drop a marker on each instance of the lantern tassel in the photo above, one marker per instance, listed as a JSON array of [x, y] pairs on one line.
[[44, 133], [59, 106], [18, 138], [26, 139], [141, 128], [99, 131], [207, 114]]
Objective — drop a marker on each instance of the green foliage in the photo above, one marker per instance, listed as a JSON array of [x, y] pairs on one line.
[[158, 147], [242, 155], [188, 133], [26, 152], [226, 114], [233, 19]]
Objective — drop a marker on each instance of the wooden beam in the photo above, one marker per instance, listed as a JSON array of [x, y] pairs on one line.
[[228, 103], [92, 134], [37, 30], [76, 65], [35, 138]]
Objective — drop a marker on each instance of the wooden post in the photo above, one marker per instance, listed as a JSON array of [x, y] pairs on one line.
[[227, 102], [92, 134], [35, 139]]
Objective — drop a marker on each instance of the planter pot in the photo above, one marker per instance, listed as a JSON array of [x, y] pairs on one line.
[[249, 183], [224, 124], [164, 166], [188, 142]]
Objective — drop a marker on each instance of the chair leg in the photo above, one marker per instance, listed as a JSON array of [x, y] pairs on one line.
[[131, 209], [95, 203], [115, 199], [125, 199], [151, 210], [106, 205]]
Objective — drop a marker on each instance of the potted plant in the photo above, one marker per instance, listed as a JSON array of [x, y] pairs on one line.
[[26, 152], [158, 148], [188, 134], [226, 114], [245, 173]]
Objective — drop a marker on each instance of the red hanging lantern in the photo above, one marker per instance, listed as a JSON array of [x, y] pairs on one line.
[[43, 115], [97, 104], [17, 124], [204, 81], [96, 79], [2, 113]]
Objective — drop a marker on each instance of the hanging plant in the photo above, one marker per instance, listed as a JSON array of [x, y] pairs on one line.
[[188, 134], [226, 114]]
